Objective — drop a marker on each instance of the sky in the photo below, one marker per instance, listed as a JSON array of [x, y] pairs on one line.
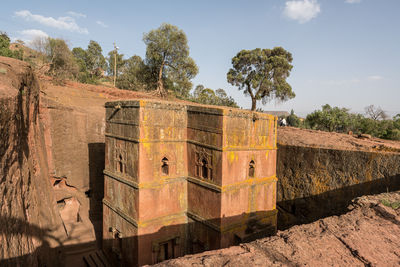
[[345, 52]]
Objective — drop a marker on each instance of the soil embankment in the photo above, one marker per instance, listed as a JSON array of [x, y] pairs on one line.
[[319, 173], [368, 235]]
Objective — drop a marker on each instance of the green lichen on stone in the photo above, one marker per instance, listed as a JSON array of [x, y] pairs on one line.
[[3, 71], [394, 205]]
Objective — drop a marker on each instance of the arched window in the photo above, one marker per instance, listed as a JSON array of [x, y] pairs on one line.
[[120, 158], [204, 169], [164, 166], [252, 168]]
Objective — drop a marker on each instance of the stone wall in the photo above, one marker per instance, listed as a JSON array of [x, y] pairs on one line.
[[315, 182]]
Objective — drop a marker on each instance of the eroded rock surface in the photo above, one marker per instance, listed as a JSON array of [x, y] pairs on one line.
[[29, 222], [319, 173], [368, 235]]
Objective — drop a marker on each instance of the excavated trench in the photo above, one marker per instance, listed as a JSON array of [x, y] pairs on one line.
[[314, 183], [52, 157]]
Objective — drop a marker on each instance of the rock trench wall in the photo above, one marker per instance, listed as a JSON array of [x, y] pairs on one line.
[[75, 147], [51, 181], [314, 183], [28, 217]]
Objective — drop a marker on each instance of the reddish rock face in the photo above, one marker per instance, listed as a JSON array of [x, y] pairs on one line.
[[368, 235], [320, 172], [29, 220], [181, 179]]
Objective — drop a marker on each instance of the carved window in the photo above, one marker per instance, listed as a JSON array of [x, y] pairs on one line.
[[120, 159], [203, 165], [164, 166], [252, 168], [204, 169]]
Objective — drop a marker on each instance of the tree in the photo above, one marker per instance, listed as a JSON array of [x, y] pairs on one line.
[[329, 119], [95, 60], [5, 50], [62, 63], [293, 120], [209, 97], [204, 95], [134, 74], [168, 52], [224, 99], [262, 74], [375, 113], [81, 57], [40, 61]]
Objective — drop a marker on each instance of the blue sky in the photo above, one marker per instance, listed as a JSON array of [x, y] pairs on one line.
[[346, 52]]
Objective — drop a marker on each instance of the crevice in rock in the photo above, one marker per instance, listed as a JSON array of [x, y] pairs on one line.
[[61, 183], [355, 253], [387, 214]]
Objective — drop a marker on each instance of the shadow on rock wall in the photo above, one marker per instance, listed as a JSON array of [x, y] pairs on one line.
[[96, 187], [318, 182], [334, 202], [126, 250]]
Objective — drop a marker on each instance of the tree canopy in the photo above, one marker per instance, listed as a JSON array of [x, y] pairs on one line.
[[375, 113], [5, 50], [134, 74], [262, 74], [168, 53], [60, 57], [95, 60], [91, 62], [210, 97], [341, 120]]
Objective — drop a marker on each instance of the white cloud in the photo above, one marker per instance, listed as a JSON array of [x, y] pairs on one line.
[[76, 14], [33, 33], [29, 35], [352, 1], [375, 78], [63, 23], [102, 24], [302, 11]]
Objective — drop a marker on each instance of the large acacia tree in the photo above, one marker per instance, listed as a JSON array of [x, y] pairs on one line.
[[262, 74], [168, 54]]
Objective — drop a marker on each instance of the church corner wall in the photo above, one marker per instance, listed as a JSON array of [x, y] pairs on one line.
[[178, 179], [162, 181]]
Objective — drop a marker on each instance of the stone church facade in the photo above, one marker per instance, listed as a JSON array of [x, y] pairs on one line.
[[183, 179]]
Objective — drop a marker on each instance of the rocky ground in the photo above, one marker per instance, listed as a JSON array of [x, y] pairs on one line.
[[311, 138], [368, 235]]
